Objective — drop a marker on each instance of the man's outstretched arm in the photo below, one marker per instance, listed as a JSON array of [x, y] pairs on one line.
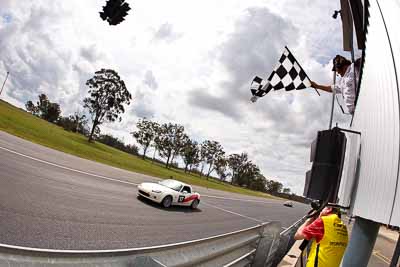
[[326, 88]]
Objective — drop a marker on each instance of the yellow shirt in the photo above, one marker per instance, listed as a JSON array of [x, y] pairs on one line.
[[329, 251]]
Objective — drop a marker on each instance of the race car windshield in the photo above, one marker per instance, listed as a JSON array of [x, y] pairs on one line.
[[174, 185]]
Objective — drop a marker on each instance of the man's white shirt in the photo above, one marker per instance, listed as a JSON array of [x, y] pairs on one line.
[[346, 87]]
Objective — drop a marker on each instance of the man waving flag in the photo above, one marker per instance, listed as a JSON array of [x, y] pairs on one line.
[[287, 74]]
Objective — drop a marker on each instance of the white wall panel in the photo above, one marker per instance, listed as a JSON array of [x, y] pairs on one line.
[[391, 13], [377, 117], [348, 181]]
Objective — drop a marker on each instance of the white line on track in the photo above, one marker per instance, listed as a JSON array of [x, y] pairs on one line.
[[232, 212], [67, 168], [237, 199]]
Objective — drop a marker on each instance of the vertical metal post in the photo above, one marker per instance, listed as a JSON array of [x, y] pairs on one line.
[[351, 33], [333, 99], [2, 87], [355, 84], [362, 241], [267, 245]]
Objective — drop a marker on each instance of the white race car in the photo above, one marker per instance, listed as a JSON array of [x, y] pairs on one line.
[[288, 204], [170, 192]]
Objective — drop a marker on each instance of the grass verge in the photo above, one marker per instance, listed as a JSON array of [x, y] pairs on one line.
[[17, 122]]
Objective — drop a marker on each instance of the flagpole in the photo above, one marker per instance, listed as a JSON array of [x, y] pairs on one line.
[[333, 99], [2, 87]]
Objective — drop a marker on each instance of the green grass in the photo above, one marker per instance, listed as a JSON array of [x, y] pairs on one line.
[[20, 123]]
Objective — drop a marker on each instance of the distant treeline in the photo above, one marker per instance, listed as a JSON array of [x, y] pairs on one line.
[[169, 141]]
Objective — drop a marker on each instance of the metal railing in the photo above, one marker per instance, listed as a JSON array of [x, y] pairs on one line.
[[261, 245], [286, 241]]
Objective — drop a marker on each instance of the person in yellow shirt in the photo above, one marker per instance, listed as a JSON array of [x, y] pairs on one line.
[[329, 238]]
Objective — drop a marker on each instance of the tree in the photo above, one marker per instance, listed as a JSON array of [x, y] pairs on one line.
[[286, 190], [132, 149], [110, 140], [79, 122], [157, 144], [248, 174], [212, 151], [30, 107], [74, 123], [196, 161], [66, 123], [170, 141], [203, 155], [273, 186], [45, 109], [190, 153], [52, 113], [235, 163], [96, 133], [221, 166], [244, 172], [258, 183], [179, 144], [145, 134], [43, 104], [108, 93]]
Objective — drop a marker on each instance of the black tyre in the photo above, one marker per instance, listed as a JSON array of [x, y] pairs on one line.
[[195, 204], [167, 202]]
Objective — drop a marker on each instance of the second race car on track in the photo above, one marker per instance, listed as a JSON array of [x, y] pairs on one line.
[[170, 192]]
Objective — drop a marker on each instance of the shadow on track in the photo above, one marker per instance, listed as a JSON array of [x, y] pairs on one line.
[[170, 209]]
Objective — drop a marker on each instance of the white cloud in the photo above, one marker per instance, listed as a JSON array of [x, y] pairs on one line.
[[183, 61], [166, 33], [150, 80]]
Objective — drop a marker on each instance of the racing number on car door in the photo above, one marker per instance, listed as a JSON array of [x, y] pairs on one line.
[[181, 198]]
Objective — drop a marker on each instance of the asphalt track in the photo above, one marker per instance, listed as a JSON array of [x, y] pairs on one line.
[[49, 199]]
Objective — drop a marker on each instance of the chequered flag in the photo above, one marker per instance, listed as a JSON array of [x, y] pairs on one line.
[[259, 88], [288, 74]]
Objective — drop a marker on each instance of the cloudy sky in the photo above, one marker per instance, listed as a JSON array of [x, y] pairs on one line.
[[189, 62]]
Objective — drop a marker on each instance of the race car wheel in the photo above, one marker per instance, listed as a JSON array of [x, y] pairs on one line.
[[167, 202], [195, 204]]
